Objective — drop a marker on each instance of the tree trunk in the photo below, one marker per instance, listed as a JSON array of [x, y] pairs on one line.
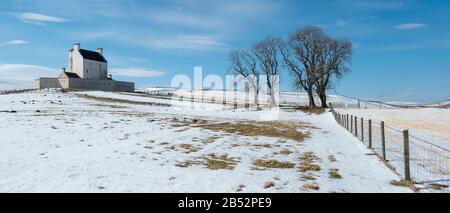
[[256, 96], [323, 99], [311, 98]]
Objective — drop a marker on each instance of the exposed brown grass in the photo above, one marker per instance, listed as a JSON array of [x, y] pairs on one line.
[[405, 183], [437, 186], [268, 184], [279, 129], [311, 110], [307, 162], [216, 162], [240, 188], [209, 140], [263, 145], [212, 161], [308, 177], [311, 186], [188, 148], [331, 158], [334, 174], [113, 100], [184, 164], [285, 152], [274, 164]]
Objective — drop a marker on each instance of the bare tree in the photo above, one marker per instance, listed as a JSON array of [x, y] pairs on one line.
[[244, 63], [315, 59], [267, 53], [302, 54], [336, 56]]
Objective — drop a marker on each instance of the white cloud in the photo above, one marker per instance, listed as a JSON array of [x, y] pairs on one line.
[[135, 72], [410, 26], [13, 42], [350, 21], [194, 42], [341, 23], [20, 76], [177, 42], [39, 19]]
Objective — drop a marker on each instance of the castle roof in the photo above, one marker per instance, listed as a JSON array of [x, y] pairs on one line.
[[92, 55], [70, 75]]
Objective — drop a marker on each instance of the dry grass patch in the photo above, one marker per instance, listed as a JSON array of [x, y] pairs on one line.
[[331, 158], [184, 164], [405, 183], [311, 186], [209, 140], [240, 188], [268, 184], [113, 100], [274, 164], [311, 110], [188, 148], [285, 152], [263, 145], [437, 186], [308, 177], [334, 173], [216, 162], [278, 129], [307, 162], [182, 130]]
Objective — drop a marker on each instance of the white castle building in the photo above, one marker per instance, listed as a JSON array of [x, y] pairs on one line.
[[87, 70]]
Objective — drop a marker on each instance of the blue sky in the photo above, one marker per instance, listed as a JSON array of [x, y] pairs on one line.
[[401, 47]]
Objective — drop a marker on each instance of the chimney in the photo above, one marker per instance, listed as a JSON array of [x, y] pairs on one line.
[[99, 50], [76, 46]]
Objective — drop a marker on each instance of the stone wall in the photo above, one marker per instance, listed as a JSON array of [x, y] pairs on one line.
[[85, 84]]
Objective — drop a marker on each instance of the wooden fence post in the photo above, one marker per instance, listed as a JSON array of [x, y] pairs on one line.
[[406, 153], [362, 129], [383, 141], [356, 126], [351, 123], [370, 133], [347, 122]]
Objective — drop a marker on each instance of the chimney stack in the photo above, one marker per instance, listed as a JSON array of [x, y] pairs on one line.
[[99, 50], [76, 46]]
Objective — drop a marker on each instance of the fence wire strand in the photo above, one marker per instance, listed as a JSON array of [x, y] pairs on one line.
[[429, 164]]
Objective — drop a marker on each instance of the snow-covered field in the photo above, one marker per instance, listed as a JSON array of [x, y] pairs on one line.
[[283, 98], [109, 142], [430, 124]]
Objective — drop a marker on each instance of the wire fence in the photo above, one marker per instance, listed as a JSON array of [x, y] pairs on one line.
[[415, 159]]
